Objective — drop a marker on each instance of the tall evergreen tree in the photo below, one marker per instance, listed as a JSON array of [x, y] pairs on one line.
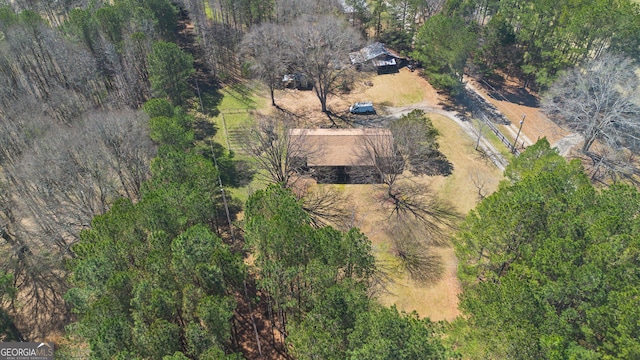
[[169, 69], [547, 263]]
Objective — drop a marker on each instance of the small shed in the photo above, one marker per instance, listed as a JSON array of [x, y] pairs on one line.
[[378, 57], [346, 156], [297, 81]]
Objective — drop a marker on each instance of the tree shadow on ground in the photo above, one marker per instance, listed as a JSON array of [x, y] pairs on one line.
[[335, 118], [498, 89], [438, 165], [297, 118], [211, 99], [347, 120], [459, 104], [203, 128], [242, 93], [202, 82]]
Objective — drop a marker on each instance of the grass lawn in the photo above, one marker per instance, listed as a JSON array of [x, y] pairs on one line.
[[439, 300], [495, 141], [234, 115], [395, 89]]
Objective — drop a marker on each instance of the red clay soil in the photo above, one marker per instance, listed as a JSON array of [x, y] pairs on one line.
[[515, 102], [270, 345]]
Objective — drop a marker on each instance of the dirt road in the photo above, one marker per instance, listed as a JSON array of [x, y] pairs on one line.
[[392, 113]]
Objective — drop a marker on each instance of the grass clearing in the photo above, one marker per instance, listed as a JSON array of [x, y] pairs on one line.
[[235, 107], [397, 89], [243, 193], [438, 300], [238, 101], [495, 141], [208, 11]]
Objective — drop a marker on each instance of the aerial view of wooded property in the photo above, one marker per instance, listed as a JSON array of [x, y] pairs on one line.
[[321, 179]]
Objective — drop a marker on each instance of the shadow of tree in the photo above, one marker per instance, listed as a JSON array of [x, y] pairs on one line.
[[497, 88], [203, 128]]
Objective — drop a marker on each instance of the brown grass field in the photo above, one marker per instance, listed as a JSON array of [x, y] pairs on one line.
[[437, 301], [513, 103]]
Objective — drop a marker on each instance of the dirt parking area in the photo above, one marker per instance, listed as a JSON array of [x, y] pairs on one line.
[[388, 90]]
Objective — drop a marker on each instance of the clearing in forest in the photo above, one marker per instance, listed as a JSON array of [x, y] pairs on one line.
[[471, 174]]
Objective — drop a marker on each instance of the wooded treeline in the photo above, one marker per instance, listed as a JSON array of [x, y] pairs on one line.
[[549, 265], [72, 140]]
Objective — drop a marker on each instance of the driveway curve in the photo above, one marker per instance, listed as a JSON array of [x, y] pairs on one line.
[[393, 113]]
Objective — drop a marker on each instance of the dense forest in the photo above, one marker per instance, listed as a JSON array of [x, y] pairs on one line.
[[119, 241]]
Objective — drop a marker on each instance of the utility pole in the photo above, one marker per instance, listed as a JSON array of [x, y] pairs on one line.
[[199, 96], [515, 142]]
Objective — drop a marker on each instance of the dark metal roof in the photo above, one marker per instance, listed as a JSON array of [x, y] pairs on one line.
[[374, 51]]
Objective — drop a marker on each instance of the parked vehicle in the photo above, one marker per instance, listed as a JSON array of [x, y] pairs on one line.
[[362, 108]]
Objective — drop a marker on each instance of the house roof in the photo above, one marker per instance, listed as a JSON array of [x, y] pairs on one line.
[[377, 50], [343, 147]]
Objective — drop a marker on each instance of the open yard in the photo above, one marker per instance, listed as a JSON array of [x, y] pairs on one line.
[[439, 299]]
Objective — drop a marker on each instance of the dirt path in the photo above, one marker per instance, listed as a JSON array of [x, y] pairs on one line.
[[567, 143], [500, 161], [517, 104]]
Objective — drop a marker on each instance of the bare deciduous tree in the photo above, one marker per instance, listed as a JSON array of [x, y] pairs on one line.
[[480, 181], [414, 253], [610, 166], [41, 64], [280, 156], [288, 11], [266, 45], [320, 49], [52, 191], [72, 174], [479, 129], [597, 101], [127, 149], [406, 200]]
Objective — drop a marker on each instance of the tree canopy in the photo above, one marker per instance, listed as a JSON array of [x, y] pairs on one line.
[[535, 40], [154, 278], [169, 69], [317, 282], [549, 264], [443, 45]]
